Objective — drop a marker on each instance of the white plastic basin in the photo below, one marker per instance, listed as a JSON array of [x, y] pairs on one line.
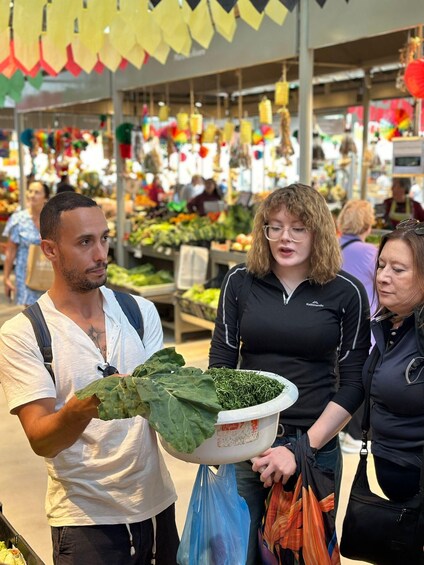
[[241, 434]]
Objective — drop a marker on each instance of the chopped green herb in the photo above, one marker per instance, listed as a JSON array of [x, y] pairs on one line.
[[181, 403], [242, 389]]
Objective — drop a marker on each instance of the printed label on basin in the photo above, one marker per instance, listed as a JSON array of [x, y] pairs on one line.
[[239, 433]]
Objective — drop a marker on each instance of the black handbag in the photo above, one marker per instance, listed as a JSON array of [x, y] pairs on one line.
[[377, 530]]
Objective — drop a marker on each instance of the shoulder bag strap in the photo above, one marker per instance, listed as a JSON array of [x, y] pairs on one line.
[[346, 243]]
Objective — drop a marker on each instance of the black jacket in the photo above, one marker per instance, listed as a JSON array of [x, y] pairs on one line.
[[307, 337]]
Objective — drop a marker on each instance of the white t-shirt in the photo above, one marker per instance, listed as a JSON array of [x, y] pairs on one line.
[[114, 473]]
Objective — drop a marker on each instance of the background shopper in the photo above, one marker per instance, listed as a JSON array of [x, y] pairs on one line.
[[22, 230], [400, 205], [210, 193], [355, 223]]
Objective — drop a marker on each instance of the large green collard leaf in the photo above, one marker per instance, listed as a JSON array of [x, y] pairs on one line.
[[183, 406], [118, 397], [180, 403]]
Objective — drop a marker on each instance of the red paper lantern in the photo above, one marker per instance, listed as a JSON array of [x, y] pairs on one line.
[[203, 151], [414, 78], [125, 150]]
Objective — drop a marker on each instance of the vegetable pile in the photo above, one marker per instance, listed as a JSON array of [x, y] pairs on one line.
[[142, 275], [242, 389], [180, 403], [10, 556]]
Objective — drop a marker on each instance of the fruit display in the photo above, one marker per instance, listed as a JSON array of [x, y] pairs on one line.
[[242, 243]]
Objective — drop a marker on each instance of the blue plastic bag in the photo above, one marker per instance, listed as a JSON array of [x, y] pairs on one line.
[[216, 531]]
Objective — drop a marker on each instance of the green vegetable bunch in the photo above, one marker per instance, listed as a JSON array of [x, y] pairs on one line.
[[242, 389], [142, 275], [10, 556], [198, 293], [180, 403]]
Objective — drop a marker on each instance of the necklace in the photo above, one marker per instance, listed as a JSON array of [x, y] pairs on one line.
[[288, 288]]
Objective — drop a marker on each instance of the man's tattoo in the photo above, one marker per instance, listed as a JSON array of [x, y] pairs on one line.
[[95, 335]]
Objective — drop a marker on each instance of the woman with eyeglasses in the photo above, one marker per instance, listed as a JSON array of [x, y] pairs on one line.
[[290, 310], [397, 385]]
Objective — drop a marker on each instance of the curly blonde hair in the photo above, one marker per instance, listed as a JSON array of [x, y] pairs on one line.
[[305, 203], [356, 217]]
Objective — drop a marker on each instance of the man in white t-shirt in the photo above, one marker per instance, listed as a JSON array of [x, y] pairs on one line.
[[110, 498]]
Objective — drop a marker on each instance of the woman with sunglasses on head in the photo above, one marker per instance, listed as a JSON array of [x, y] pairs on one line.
[[397, 385], [290, 310]]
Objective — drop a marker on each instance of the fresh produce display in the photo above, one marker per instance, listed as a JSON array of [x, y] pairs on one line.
[[242, 243], [374, 238], [238, 219], [198, 293], [142, 275], [167, 234], [180, 403], [10, 556]]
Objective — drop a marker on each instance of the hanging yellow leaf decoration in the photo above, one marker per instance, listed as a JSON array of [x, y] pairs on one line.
[[109, 56], [27, 52], [54, 55], [4, 16], [85, 58], [136, 56], [199, 22], [148, 32], [249, 14], [90, 35], [276, 11], [168, 16], [225, 23]]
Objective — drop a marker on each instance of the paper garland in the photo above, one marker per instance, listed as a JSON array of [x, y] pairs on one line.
[[96, 34]]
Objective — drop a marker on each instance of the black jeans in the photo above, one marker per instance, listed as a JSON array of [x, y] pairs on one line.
[[112, 544]]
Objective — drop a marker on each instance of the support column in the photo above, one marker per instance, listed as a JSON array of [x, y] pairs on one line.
[[18, 119], [366, 118], [117, 101], [306, 73]]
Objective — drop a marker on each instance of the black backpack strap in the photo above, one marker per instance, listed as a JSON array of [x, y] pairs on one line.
[[131, 310], [42, 335], [34, 314], [346, 243], [244, 293]]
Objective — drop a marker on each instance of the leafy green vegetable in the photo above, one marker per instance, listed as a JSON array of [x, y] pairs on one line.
[[180, 402], [242, 389], [142, 275]]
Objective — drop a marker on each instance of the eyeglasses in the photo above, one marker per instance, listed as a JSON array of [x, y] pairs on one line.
[[274, 233], [411, 373], [411, 225]]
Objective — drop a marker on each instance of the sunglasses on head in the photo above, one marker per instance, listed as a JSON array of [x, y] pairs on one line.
[[411, 225]]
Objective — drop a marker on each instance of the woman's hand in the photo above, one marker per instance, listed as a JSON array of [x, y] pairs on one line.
[[274, 465]]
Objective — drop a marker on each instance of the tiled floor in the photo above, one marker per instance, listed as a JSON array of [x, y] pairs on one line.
[[23, 477]]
